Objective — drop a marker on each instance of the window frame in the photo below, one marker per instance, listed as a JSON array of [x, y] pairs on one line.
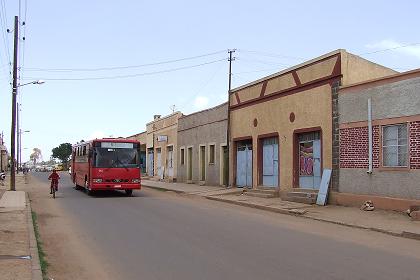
[[210, 155], [382, 166]]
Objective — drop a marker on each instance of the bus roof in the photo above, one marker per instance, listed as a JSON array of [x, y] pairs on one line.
[[116, 140]]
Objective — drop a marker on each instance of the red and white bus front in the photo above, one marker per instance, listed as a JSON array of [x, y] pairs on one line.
[[115, 166]]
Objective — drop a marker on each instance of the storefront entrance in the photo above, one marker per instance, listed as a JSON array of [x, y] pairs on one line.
[[309, 160]]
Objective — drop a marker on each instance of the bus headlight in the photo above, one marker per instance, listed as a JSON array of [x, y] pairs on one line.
[[135, 180], [97, 180]]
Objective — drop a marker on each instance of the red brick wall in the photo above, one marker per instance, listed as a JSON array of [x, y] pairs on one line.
[[415, 145], [354, 149]]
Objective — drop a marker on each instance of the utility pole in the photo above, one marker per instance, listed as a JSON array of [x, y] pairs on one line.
[[14, 94], [18, 137], [230, 59]]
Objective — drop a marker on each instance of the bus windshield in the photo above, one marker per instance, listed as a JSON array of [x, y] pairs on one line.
[[115, 157]]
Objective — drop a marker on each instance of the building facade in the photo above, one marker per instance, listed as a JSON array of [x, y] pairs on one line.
[[389, 172], [284, 127], [202, 148], [4, 156], [161, 146]]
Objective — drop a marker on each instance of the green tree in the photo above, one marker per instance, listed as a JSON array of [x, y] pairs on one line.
[[62, 152]]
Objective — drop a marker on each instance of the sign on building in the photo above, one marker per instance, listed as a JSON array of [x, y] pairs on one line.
[[162, 138]]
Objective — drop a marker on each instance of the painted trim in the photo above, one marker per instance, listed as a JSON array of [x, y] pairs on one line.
[[295, 183], [293, 90], [263, 88], [296, 78], [388, 121], [300, 66], [354, 88]]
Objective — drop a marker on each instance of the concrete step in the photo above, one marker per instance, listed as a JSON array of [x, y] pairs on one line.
[[263, 193], [302, 197]]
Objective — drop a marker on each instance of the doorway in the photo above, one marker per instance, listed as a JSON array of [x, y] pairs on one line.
[[151, 161], [309, 149], [189, 163], [170, 161], [244, 164], [270, 162], [202, 163]]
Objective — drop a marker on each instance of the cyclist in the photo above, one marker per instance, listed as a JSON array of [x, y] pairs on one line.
[[54, 177]]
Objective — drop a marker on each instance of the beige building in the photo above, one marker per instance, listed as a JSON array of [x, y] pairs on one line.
[[161, 146], [284, 127]]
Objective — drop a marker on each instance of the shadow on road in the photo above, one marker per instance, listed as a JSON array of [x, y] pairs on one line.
[[114, 193]]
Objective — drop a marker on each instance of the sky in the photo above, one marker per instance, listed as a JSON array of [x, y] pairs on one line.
[[109, 66]]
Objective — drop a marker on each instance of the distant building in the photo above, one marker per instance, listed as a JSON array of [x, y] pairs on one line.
[[284, 127], [161, 145], [392, 178], [202, 149], [4, 155]]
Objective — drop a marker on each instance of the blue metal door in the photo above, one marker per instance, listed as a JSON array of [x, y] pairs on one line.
[[244, 165], [270, 162]]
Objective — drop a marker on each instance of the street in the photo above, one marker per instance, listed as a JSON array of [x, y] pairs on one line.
[[163, 235]]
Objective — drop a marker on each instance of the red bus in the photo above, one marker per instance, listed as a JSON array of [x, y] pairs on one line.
[[107, 164]]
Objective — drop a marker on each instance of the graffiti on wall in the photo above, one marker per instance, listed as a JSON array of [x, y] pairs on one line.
[[306, 159]]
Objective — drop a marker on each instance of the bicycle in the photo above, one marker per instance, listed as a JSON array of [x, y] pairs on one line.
[[54, 187]]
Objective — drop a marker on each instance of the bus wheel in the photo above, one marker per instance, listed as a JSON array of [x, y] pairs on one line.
[[128, 192]]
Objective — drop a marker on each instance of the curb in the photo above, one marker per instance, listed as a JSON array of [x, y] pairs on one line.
[[300, 213], [162, 189], [33, 246]]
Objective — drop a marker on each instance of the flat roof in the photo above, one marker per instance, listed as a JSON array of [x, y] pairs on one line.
[[383, 80]]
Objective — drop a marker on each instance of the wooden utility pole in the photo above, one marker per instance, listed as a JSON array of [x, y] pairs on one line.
[[14, 95], [228, 116]]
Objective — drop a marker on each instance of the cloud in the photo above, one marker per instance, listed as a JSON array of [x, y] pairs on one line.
[[413, 50], [201, 102]]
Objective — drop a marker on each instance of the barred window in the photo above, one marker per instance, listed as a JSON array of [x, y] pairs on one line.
[[394, 146]]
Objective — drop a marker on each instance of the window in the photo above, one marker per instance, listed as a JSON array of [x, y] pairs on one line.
[[182, 156], [394, 146], [84, 150], [211, 154]]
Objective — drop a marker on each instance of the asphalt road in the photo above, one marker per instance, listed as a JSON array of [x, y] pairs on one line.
[[161, 235]]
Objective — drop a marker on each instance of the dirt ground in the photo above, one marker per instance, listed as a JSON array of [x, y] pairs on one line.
[[67, 254]]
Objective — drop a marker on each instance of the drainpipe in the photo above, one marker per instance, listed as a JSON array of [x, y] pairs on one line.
[[370, 134]]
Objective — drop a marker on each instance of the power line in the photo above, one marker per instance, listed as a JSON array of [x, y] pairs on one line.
[[390, 49], [272, 54], [132, 75], [121, 67]]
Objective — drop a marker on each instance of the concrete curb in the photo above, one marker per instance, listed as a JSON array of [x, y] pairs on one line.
[[162, 189], [301, 213], [33, 246]]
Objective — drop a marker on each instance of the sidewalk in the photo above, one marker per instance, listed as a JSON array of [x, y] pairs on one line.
[[18, 249], [389, 222]]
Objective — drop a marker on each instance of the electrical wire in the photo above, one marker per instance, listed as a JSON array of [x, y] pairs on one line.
[[271, 54], [121, 67], [390, 49], [129, 76], [6, 43]]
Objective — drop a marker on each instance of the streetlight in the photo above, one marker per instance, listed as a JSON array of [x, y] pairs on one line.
[[13, 131]]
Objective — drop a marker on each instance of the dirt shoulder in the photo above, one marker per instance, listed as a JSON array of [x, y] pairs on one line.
[[63, 241]]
